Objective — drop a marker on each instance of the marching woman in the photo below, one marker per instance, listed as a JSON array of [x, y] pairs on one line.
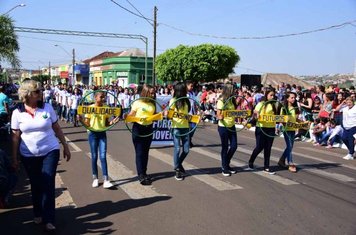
[[226, 129], [265, 131], [180, 105], [348, 109], [142, 130], [292, 111], [35, 130], [98, 139]]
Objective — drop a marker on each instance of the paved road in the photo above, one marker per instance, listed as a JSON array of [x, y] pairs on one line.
[[319, 199]]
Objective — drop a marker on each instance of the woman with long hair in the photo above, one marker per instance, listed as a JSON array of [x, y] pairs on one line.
[[265, 131], [180, 105], [226, 128], [306, 104], [142, 130], [292, 111], [337, 114]]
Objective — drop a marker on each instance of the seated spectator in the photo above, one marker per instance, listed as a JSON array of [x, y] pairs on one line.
[[335, 134], [317, 105], [319, 129], [331, 129]]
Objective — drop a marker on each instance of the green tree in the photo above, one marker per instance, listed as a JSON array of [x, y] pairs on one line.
[[41, 78], [9, 45], [204, 62]]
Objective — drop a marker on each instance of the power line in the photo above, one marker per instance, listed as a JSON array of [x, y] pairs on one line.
[[140, 13], [131, 12], [264, 37], [76, 43], [240, 38]]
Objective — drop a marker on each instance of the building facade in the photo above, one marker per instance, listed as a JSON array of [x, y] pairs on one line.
[[120, 70]]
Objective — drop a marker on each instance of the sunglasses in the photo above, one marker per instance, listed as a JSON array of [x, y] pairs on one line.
[[38, 91]]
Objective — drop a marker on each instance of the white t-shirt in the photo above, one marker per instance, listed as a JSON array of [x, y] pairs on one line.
[[111, 97], [63, 97], [56, 94], [75, 101], [348, 117], [47, 93], [37, 135]]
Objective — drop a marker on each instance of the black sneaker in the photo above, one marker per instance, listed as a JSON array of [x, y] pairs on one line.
[[179, 176], [250, 167], [226, 173], [232, 170], [191, 145], [181, 169], [144, 180]]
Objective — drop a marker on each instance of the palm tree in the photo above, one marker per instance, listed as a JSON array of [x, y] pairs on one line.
[[9, 45]]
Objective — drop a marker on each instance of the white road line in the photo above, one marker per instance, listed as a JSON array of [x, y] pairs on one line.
[[119, 171], [64, 198], [336, 176], [319, 149], [74, 146], [197, 174], [276, 178], [317, 159], [131, 187], [340, 177]]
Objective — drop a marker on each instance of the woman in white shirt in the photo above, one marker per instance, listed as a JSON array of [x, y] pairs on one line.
[[348, 109], [35, 130]]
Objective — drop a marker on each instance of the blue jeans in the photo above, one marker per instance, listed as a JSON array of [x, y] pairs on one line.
[[98, 142], [192, 125], [178, 136], [324, 137], [349, 139], [142, 146], [264, 141], [227, 134], [289, 139], [73, 115], [41, 172]]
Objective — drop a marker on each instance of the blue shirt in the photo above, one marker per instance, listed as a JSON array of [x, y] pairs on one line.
[[3, 99]]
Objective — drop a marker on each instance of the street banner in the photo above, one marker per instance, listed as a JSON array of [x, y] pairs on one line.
[[162, 135]]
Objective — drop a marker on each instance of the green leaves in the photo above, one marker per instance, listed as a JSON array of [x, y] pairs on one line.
[[204, 62], [8, 42]]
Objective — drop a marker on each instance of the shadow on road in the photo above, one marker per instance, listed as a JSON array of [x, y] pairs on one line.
[[91, 218]]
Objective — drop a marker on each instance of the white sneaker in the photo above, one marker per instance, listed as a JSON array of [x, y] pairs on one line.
[[107, 184], [50, 227], [348, 157], [95, 183]]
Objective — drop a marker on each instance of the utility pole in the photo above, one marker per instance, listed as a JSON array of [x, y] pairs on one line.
[[154, 45], [73, 62]]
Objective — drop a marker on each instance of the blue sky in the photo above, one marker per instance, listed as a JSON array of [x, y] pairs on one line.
[[326, 52]]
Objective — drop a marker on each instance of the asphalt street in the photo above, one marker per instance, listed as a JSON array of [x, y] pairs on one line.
[[319, 199]]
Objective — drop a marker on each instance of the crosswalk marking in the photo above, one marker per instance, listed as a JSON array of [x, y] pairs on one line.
[[318, 150], [336, 176], [74, 146], [133, 189], [325, 173], [196, 173], [315, 158], [276, 178]]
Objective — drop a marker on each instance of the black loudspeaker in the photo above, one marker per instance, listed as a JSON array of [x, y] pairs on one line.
[[250, 80]]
